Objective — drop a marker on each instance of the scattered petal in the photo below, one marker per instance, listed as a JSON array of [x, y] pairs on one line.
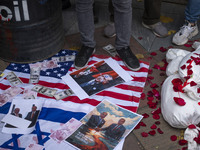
[[183, 67], [156, 66], [160, 131], [142, 124], [150, 98], [156, 116], [139, 38], [182, 142], [179, 101], [157, 122], [188, 45], [153, 126], [153, 53], [162, 49], [152, 132], [173, 137], [162, 74], [154, 85], [192, 126], [150, 71], [143, 96], [144, 134], [192, 83], [198, 103], [198, 90], [145, 115]]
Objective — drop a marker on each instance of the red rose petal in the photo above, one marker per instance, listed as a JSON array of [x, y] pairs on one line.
[[144, 134], [150, 71], [150, 98], [153, 126], [154, 85], [153, 53], [189, 61], [188, 45], [139, 38], [192, 126], [145, 115], [184, 148], [162, 74], [179, 101], [182, 142], [160, 131], [198, 103], [192, 83], [189, 72], [150, 78], [158, 111], [183, 67], [198, 90], [152, 132], [157, 122], [162, 49], [156, 66], [143, 96], [137, 126], [197, 140], [156, 116], [173, 137], [142, 124]]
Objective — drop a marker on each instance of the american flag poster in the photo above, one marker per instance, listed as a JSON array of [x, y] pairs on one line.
[[55, 113]]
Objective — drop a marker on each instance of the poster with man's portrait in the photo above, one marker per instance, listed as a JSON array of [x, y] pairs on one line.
[[95, 78], [22, 116], [104, 127]]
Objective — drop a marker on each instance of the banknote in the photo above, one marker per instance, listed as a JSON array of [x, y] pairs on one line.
[[110, 49], [63, 58], [9, 94], [34, 75], [65, 130], [29, 94], [13, 79], [49, 64], [63, 94], [44, 90]]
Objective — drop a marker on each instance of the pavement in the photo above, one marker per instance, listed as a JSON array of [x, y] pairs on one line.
[[143, 43]]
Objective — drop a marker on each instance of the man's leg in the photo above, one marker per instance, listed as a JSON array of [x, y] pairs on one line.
[[190, 28], [151, 17], [84, 9], [123, 22], [109, 30]]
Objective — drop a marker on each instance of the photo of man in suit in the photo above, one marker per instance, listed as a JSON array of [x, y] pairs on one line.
[[15, 113], [115, 131], [32, 116], [96, 121]]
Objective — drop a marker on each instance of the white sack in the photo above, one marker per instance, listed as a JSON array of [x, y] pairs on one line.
[[173, 66], [172, 53], [178, 116]]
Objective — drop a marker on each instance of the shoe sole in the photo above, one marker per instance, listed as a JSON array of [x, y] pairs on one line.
[[76, 67], [110, 36], [153, 31], [189, 37]]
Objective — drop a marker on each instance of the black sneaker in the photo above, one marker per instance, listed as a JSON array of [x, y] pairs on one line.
[[83, 56], [129, 59]]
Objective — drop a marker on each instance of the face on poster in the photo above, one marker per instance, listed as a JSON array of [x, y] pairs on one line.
[[104, 127], [95, 78], [25, 111]]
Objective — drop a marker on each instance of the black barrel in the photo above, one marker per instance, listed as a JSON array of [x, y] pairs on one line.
[[30, 30]]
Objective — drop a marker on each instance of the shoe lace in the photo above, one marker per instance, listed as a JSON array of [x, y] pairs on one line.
[[186, 29]]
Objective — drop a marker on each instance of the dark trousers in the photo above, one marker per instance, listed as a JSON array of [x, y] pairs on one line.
[[151, 13]]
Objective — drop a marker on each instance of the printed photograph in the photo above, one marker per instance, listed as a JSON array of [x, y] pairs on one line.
[[27, 110], [104, 127], [95, 78]]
